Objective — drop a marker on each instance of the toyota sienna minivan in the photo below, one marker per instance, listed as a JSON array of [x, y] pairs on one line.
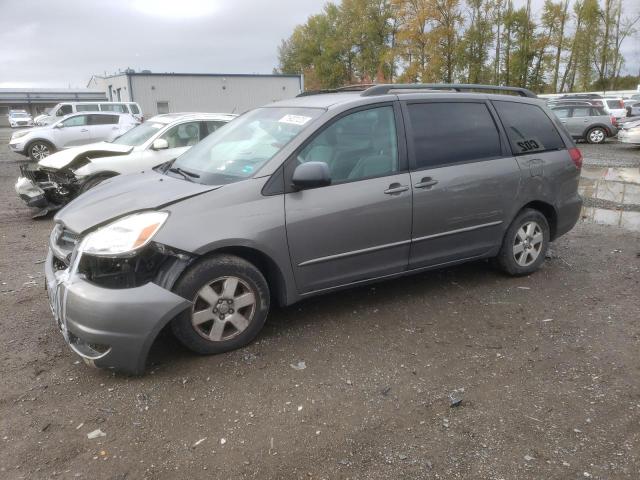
[[303, 197]]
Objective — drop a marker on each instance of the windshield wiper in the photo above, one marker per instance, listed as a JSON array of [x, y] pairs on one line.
[[186, 174]]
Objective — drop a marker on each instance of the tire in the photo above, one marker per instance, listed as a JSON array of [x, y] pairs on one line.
[[596, 135], [520, 241], [218, 323], [92, 182], [40, 149]]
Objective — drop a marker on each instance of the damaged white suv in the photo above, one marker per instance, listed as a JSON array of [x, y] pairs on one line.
[[60, 177]]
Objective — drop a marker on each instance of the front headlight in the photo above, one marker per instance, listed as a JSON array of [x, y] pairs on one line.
[[124, 236], [18, 135]]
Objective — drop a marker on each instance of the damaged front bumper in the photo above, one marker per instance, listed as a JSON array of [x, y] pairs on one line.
[[31, 193], [108, 328], [44, 190]]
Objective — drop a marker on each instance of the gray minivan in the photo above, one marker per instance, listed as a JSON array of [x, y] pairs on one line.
[[303, 197]]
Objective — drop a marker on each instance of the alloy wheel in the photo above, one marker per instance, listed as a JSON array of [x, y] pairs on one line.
[[40, 151], [596, 136], [223, 309], [528, 244]]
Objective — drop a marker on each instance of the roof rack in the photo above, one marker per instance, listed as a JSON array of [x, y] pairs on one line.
[[347, 88], [458, 87]]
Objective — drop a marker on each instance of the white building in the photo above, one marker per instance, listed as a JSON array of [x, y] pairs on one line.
[[196, 92]]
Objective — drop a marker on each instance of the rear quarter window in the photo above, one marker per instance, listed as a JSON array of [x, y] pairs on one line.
[[528, 127], [444, 133]]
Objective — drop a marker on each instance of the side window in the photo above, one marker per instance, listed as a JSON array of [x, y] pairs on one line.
[[360, 145], [103, 119], [446, 133], [134, 108], [64, 110], [183, 135], [581, 111], [77, 121], [528, 127], [87, 108], [212, 126], [111, 107], [162, 107], [561, 112]]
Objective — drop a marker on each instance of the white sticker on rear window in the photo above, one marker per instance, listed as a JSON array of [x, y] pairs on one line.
[[294, 119]]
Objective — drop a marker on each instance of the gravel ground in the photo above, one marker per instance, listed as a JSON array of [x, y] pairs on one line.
[[549, 366], [611, 154]]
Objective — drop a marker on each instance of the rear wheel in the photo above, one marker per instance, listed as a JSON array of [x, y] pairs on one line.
[[525, 244], [39, 150], [230, 305], [596, 135]]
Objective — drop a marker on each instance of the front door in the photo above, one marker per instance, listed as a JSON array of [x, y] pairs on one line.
[[73, 131], [358, 227], [464, 181]]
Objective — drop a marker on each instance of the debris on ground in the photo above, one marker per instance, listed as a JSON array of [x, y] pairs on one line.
[[198, 442], [301, 365], [96, 434], [456, 397]]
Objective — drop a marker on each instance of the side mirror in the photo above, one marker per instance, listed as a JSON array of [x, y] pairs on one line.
[[311, 175], [159, 144]]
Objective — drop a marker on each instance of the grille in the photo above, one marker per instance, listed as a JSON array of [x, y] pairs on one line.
[[27, 172]]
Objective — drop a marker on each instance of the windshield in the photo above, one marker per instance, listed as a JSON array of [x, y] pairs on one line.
[[140, 134], [238, 150], [19, 114]]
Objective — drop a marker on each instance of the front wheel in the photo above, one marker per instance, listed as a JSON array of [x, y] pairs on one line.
[[39, 150], [525, 244], [92, 182], [596, 135], [230, 305]]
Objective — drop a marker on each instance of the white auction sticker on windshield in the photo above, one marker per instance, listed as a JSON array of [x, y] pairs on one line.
[[294, 119], [157, 126]]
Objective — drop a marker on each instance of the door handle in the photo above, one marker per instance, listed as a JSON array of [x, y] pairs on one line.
[[426, 182], [84, 130], [396, 188]]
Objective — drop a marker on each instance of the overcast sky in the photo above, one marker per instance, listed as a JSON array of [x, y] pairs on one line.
[[61, 43]]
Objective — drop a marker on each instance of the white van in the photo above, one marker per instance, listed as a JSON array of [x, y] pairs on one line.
[[66, 108]]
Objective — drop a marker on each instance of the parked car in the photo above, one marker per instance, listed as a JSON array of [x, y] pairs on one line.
[[633, 109], [67, 108], [630, 132], [19, 118], [302, 197], [62, 176], [70, 131], [589, 123], [615, 107], [593, 98]]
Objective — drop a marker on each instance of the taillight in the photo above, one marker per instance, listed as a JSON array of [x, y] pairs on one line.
[[614, 121], [576, 157]]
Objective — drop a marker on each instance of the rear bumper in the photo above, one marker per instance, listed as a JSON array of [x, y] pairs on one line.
[[568, 215], [109, 328]]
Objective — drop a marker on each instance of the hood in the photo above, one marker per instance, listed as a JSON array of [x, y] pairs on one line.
[[126, 194], [65, 157]]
